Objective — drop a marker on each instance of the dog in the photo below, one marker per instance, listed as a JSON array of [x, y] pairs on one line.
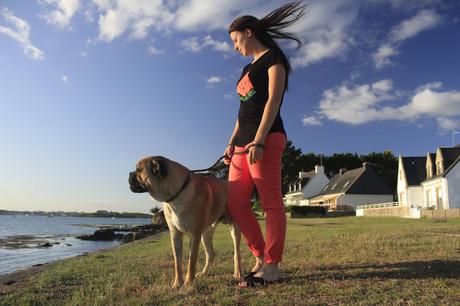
[[193, 204]]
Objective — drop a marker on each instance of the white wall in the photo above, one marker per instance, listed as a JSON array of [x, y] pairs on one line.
[[431, 186], [415, 197], [453, 186], [402, 185], [363, 199]]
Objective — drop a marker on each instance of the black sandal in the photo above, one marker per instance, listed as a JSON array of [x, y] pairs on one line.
[[255, 281], [249, 276]]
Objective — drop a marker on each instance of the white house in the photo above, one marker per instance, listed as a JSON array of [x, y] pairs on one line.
[[348, 189], [307, 185], [430, 181], [411, 173]]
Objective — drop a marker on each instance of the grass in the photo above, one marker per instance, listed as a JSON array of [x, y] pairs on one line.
[[344, 260]]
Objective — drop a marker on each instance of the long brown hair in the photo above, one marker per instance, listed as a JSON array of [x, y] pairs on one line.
[[270, 27]]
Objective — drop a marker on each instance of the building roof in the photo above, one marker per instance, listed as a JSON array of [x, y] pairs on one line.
[[452, 165], [306, 176], [415, 169], [362, 180], [449, 155]]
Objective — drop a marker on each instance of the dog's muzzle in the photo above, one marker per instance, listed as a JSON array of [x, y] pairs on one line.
[[134, 184]]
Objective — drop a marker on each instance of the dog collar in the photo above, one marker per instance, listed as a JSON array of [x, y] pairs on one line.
[[184, 185]]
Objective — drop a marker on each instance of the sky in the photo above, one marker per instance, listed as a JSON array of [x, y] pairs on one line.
[[88, 87]]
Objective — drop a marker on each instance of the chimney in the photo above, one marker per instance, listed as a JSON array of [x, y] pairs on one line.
[[319, 169], [342, 171]]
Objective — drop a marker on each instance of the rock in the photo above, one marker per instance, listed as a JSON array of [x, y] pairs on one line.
[[101, 235]]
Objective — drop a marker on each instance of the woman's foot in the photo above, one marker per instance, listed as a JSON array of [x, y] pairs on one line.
[[269, 272]]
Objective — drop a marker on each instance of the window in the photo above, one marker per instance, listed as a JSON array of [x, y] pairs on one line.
[[346, 184], [335, 185], [438, 198], [428, 198]]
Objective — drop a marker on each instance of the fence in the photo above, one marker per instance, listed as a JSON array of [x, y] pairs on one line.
[[378, 205]]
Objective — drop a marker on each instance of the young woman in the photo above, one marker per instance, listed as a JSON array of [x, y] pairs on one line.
[[258, 140]]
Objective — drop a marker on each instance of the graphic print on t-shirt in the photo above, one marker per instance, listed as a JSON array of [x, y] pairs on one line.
[[245, 88]]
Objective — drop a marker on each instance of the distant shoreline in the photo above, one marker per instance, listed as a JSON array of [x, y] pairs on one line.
[[97, 214]]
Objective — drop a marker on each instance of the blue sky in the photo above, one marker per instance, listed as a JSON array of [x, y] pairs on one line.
[[87, 88]]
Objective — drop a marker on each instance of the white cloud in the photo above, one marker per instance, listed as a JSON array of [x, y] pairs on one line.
[[310, 120], [212, 81], [198, 14], [65, 79], [153, 51], [383, 54], [366, 103], [62, 15], [448, 125], [217, 45], [325, 31], [135, 16], [383, 85], [191, 44], [423, 20], [21, 34], [194, 44]]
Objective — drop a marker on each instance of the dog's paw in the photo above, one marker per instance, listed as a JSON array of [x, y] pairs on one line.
[[202, 273], [176, 286]]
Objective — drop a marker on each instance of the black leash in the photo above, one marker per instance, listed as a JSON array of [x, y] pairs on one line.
[[220, 158], [208, 169]]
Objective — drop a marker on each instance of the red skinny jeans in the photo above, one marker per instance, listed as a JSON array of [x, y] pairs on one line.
[[266, 175]]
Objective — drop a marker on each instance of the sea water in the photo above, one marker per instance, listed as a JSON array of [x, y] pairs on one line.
[[22, 238]]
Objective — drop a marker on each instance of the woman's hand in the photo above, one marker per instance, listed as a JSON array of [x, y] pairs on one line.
[[255, 152], [228, 154]]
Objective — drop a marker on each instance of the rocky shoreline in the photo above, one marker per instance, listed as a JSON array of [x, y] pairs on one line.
[[15, 278], [111, 233]]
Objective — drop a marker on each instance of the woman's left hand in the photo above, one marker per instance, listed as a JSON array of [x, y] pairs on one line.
[[256, 152]]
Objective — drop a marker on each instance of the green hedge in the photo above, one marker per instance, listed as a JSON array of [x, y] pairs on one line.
[[306, 210]]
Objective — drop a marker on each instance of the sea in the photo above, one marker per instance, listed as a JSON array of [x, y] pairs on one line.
[[22, 239]]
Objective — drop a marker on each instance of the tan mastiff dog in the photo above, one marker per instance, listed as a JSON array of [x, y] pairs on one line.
[[193, 205]]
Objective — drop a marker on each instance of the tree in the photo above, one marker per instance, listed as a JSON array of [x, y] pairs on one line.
[[290, 165]]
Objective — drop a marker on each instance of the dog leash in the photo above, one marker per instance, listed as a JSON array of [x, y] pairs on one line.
[[222, 157]]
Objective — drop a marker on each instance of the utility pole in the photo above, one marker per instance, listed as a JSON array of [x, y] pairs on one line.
[[453, 137]]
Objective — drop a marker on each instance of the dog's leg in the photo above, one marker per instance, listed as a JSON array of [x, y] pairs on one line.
[[194, 247], [176, 243], [206, 240], [236, 235]]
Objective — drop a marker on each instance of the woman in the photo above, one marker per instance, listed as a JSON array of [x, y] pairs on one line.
[[258, 140]]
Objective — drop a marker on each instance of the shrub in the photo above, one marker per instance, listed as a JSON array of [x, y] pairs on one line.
[[301, 211]]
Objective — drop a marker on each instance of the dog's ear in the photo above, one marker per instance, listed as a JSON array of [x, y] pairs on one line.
[[158, 168]]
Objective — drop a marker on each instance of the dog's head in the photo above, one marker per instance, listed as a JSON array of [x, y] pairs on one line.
[[158, 176]]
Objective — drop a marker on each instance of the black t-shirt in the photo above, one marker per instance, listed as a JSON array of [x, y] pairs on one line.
[[253, 91]]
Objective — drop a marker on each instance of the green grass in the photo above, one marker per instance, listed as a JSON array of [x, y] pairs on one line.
[[327, 261]]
